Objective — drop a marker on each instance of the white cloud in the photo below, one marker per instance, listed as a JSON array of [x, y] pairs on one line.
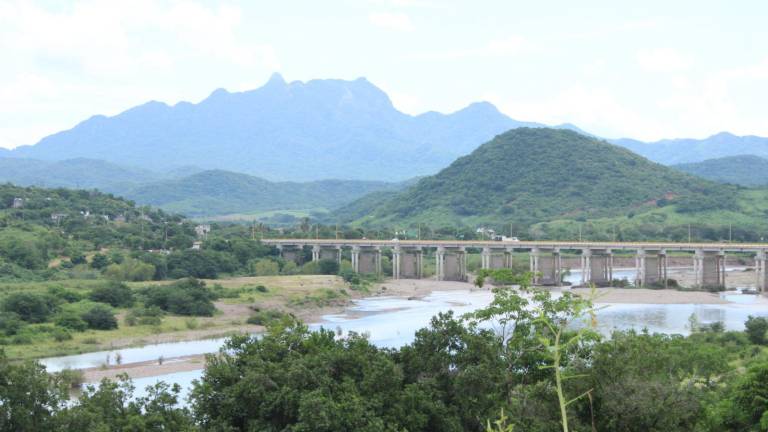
[[391, 21], [662, 60], [501, 47]]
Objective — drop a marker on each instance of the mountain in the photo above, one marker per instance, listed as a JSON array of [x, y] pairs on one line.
[[216, 192], [745, 170], [298, 131], [73, 173], [677, 151], [530, 175]]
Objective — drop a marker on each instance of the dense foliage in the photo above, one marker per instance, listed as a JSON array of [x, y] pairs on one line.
[[745, 170], [530, 367], [547, 183]]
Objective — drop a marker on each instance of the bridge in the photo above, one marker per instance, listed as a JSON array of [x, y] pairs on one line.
[[545, 261]]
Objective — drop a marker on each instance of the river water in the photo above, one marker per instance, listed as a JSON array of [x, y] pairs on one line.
[[392, 322]]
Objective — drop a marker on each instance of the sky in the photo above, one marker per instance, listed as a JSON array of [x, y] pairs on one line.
[[647, 70]]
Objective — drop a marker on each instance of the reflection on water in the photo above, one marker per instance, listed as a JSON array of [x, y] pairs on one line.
[[133, 355], [393, 322]]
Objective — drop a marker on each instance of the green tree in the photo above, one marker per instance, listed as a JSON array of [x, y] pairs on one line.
[[757, 330], [100, 317], [115, 294]]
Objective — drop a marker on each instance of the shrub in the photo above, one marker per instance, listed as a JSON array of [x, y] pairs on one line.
[[264, 267], [61, 335], [10, 323], [328, 267], [144, 316], [261, 288], [113, 293], [350, 276], [130, 270], [757, 330], [100, 317], [70, 320], [100, 261], [185, 297], [265, 317], [65, 295], [30, 307]]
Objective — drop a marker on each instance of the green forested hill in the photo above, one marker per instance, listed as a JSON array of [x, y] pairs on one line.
[[218, 192], [528, 176], [746, 170]]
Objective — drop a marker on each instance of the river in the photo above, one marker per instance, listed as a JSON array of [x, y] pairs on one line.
[[393, 321]]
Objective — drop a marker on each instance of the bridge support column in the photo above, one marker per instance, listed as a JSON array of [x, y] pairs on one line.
[[491, 260], [651, 268], [366, 260], [451, 264], [761, 284], [709, 269], [291, 253], [547, 267], [597, 267], [406, 263]]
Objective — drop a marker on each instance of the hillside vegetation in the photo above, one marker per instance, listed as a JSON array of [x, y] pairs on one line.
[[217, 192], [527, 176], [745, 170]]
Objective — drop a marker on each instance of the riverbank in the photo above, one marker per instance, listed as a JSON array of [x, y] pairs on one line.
[[649, 296]]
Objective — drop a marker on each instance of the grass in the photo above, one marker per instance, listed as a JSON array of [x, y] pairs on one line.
[[298, 292]]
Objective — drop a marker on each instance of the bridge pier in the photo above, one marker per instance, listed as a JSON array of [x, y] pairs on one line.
[[366, 259], [291, 253], [651, 267], [709, 268], [451, 264], [326, 253], [407, 262], [761, 284], [491, 260], [596, 267], [547, 267]]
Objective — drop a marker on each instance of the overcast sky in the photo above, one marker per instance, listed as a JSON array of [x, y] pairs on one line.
[[647, 70]]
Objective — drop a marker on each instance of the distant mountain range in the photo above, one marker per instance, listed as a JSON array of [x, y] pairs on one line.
[[677, 151], [526, 176], [286, 131], [745, 170]]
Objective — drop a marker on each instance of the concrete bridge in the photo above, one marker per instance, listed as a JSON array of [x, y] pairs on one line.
[[544, 258]]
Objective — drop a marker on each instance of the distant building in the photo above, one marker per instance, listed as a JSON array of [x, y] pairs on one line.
[[197, 245], [202, 230], [57, 217], [120, 218], [18, 203]]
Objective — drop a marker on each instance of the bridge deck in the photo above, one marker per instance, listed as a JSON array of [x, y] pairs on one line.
[[576, 245]]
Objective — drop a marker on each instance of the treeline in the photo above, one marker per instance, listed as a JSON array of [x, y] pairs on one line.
[[539, 367]]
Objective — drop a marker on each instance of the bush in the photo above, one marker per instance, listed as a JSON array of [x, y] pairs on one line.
[[30, 307], [65, 295], [350, 276], [185, 297], [264, 267], [10, 323], [757, 330], [114, 293], [261, 288], [61, 335], [130, 270], [70, 320], [265, 317], [328, 267], [100, 317], [99, 261], [144, 316]]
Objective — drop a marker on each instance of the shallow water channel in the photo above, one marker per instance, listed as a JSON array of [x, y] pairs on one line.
[[393, 321]]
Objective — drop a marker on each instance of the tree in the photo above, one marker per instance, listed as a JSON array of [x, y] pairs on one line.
[[99, 261], [264, 267], [30, 307], [100, 317], [757, 330], [184, 297], [30, 397], [115, 294], [328, 266]]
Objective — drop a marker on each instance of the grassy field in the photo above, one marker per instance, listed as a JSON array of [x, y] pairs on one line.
[[305, 296]]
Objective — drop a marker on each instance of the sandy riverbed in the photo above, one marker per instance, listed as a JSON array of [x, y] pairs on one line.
[[416, 289]]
